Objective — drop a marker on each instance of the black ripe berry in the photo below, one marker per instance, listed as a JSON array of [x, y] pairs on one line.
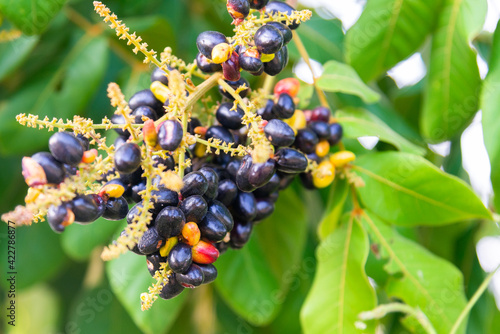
[[213, 182], [145, 111], [159, 75], [285, 107], [209, 273], [66, 148], [180, 258], [265, 208], [169, 222], [242, 175], [244, 207], [306, 140], [268, 39], [84, 141], [321, 129], [227, 192], [194, 208], [87, 208], [145, 98], [128, 158], [150, 241], [164, 197], [207, 40], [116, 209], [170, 135], [154, 261], [194, 184], [118, 119], [258, 4], [240, 234], [267, 112], [212, 228], [285, 31], [278, 63], [261, 173], [277, 6], [171, 289], [290, 161], [271, 186], [192, 278], [279, 133], [220, 211], [321, 114], [229, 118], [335, 134], [57, 217], [219, 132], [250, 61], [53, 169], [205, 66]]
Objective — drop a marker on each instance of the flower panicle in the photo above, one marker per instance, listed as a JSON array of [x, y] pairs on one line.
[[122, 31], [161, 277]]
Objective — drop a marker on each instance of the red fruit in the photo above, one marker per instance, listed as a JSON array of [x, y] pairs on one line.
[[289, 85], [231, 68], [205, 253]]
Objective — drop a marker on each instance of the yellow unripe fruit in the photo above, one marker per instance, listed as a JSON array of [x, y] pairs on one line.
[[297, 121], [112, 190], [266, 58], [160, 91], [342, 158], [221, 52], [324, 175], [165, 249], [322, 148]]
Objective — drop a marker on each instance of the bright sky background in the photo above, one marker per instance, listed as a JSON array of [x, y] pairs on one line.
[[409, 72]]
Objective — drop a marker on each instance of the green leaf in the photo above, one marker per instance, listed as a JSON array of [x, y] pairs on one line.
[[334, 208], [322, 38], [358, 122], [387, 32], [98, 311], [61, 93], [78, 241], [13, 53], [341, 289], [490, 104], [452, 94], [268, 262], [420, 278], [339, 77], [305, 94], [408, 190], [39, 256], [31, 16], [129, 277]]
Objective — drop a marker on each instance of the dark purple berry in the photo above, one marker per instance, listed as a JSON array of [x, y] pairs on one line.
[[56, 216], [211, 228], [238, 9], [159, 75], [261, 173], [194, 184], [258, 4], [145, 98], [321, 114], [194, 208], [235, 85], [84, 141], [213, 182], [267, 112], [242, 175], [144, 111], [231, 119], [231, 68], [219, 132], [136, 190], [335, 134], [279, 133], [54, 171], [271, 186], [66, 148], [205, 66], [118, 119], [192, 278], [278, 63], [285, 31], [209, 273], [250, 61], [306, 141], [180, 258], [170, 135], [240, 234], [268, 39], [220, 211], [150, 241], [116, 209], [289, 160], [265, 208], [321, 129], [285, 107], [227, 192], [154, 261], [87, 208], [232, 168], [169, 222], [244, 206], [128, 158], [207, 40], [171, 289]]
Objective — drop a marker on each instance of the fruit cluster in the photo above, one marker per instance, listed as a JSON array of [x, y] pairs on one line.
[[263, 50], [197, 188]]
